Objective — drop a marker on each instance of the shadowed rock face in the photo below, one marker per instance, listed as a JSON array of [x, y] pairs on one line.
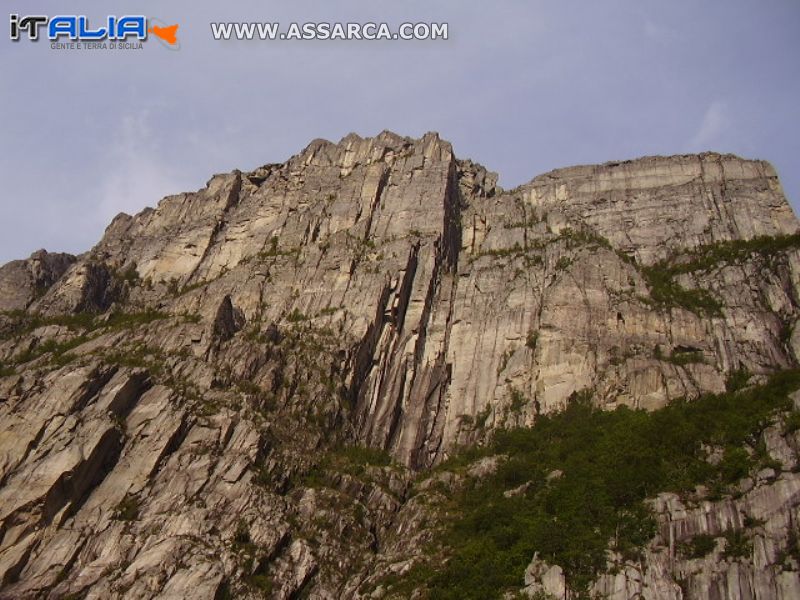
[[22, 281], [377, 291]]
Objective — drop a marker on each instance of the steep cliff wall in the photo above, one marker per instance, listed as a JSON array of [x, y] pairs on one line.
[[377, 291], [452, 296]]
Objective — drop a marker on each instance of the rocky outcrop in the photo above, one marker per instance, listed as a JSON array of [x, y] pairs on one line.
[[655, 206], [452, 296], [165, 396], [22, 281]]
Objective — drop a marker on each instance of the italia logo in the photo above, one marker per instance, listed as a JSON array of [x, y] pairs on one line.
[[77, 28]]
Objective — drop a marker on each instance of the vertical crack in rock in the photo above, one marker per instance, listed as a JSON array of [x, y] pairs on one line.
[[126, 397], [430, 433], [451, 228], [430, 388], [173, 444], [383, 180], [11, 571], [96, 381], [363, 357], [215, 236], [73, 488], [406, 285], [98, 292], [407, 396], [227, 321], [425, 378]]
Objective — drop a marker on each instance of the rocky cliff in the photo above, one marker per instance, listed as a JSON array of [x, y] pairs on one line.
[[167, 398]]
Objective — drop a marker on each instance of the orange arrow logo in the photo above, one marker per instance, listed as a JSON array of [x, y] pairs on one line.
[[168, 34]]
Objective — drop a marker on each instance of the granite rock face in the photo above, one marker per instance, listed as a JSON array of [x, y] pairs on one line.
[[165, 396], [22, 281]]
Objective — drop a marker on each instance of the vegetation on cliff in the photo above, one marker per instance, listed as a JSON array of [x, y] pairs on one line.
[[574, 485]]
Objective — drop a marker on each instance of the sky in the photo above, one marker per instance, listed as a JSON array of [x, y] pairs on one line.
[[521, 86]]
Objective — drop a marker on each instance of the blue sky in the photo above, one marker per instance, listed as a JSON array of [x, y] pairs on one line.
[[522, 86]]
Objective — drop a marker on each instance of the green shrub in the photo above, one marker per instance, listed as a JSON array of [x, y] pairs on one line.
[[296, 316], [792, 422], [23, 322], [127, 509], [563, 263], [261, 582], [699, 546], [365, 456], [791, 552], [751, 522], [6, 371], [82, 322], [241, 537], [273, 247], [661, 277], [518, 400], [129, 275], [681, 358], [121, 320], [532, 339], [57, 349], [611, 462], [737, 545], [737, 379], [352, 460], [482, 417], [712, 255], [665, 291], [274, 251]]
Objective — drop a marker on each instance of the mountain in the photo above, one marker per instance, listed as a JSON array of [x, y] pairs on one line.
[[270, 386]]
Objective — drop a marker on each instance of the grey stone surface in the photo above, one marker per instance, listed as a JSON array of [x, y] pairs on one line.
[[377, 291], [21, 281]]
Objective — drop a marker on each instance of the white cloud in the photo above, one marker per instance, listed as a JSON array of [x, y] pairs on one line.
[[714, 125]]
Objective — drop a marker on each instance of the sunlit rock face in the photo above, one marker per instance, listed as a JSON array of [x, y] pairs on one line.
[[163, 395]]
